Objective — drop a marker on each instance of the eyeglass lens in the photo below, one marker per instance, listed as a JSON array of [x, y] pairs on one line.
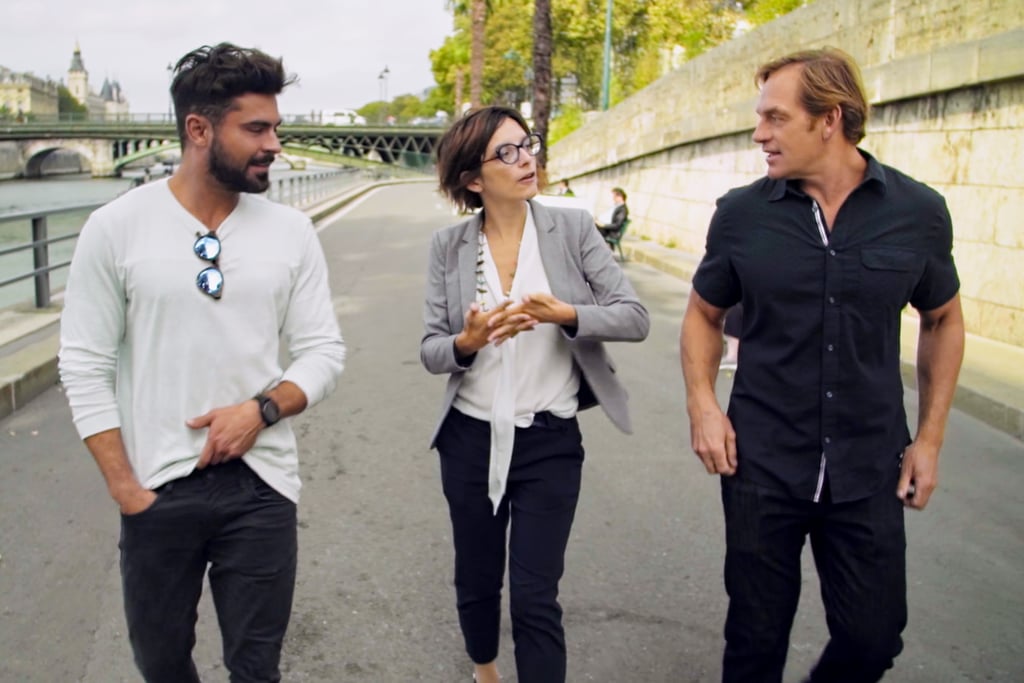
[[509, 153], [210, 280]]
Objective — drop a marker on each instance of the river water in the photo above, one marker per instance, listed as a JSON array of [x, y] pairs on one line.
[[53, 192]]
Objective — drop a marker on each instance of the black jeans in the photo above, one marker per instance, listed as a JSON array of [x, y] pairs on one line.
[[860, 554], [540, 501], [227, 517]]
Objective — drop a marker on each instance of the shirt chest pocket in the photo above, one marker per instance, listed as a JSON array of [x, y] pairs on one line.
[[887, 275]]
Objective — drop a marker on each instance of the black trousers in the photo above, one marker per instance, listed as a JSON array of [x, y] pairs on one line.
[[226, 517], [540, 503], [860, 554]]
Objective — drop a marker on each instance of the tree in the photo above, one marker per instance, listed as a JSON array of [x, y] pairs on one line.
[[68, 107], [542, 49], [476, 57], [649, 38]]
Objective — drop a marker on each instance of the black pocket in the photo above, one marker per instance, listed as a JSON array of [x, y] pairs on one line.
[[888, 275]]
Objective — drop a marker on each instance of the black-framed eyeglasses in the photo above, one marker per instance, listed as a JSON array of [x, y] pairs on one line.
[[210, 280], [508, 153]]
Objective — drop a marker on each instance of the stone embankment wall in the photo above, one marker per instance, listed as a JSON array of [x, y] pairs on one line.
[[946, 82]]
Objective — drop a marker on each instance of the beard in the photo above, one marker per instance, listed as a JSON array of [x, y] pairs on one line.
[[235, 179]]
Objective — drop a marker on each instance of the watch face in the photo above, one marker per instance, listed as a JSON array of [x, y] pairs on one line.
[[269, 410]]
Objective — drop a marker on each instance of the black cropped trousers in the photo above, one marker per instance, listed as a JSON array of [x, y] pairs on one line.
[[533, 521]]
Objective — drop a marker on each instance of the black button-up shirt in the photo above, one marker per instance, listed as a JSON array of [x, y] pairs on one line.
[[818, 387]]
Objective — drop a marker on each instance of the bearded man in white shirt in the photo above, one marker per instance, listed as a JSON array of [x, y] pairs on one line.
[[179, 297]]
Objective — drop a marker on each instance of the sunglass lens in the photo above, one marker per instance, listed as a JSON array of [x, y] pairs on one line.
[[210, 281], [207, 248]]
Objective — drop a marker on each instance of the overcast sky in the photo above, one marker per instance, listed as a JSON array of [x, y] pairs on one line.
[[338, 48]]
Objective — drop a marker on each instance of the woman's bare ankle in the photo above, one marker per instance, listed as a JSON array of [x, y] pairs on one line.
[[486, 673]]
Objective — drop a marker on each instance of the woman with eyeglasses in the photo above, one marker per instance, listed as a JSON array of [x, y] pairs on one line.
[[520, 298]]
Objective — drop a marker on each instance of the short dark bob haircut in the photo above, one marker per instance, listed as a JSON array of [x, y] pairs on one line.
[[208, 79], [460, 152]]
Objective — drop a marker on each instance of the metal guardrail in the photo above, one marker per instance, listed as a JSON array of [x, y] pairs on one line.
[[40, 246], [298, 191]]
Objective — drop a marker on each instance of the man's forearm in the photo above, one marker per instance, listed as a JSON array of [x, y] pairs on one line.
[[107, 448], [700, 350]]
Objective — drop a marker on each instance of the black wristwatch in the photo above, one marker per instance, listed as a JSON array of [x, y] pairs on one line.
[[269, 410]]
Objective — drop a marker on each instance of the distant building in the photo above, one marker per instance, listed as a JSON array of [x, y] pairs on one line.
[[110, 103], [23, 93]]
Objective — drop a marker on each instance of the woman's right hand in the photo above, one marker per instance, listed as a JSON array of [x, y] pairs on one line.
[[475, 330]]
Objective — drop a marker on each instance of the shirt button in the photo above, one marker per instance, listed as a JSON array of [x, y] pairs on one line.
[[831, 299], [828, 439], [831, 348], [832, 252], [828, 394]]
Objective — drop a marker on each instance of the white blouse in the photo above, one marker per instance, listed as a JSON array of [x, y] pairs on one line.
[[530, 373]]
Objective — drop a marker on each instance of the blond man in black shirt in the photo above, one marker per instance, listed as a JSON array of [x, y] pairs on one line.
[[825, 252]]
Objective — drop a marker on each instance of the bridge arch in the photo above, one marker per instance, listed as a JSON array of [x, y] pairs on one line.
[[36, 154]]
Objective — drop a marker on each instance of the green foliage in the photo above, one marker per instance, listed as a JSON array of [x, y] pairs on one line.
[[762, 11], [568, 119], [649, 38], [373, 112], [67, 104]]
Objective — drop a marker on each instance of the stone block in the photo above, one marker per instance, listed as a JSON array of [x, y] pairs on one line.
[[1001, 56], [1000, 322], [986, 272], [995, 154], [953, 67], [974, 211], [1009, 221], [898, 80]]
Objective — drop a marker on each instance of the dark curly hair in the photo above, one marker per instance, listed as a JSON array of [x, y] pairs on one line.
[[208, 79]]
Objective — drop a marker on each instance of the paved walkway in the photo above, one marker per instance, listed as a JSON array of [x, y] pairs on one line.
[[991, 386]]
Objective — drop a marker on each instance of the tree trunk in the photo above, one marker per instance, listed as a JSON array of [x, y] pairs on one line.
[[476, 57], [542, 48], [458, 91]]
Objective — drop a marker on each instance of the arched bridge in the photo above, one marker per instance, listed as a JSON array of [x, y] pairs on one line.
[[110, 146]]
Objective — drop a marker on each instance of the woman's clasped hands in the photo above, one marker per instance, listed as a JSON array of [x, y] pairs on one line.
[[509, 318]]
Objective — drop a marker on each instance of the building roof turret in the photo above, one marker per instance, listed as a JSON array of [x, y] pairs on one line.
[[76, 59]]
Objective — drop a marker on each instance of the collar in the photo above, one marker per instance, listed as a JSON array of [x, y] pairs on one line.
[[874, 176]]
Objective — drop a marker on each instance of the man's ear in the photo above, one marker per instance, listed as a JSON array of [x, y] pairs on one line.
[[198, 130], [832, 122]]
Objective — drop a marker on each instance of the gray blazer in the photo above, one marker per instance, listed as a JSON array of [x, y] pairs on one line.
[[580, 270]]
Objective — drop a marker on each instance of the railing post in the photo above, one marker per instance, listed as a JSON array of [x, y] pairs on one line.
[[41, 261]]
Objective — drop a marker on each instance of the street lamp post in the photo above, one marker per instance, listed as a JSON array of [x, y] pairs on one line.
[[170, 97], [606, 77], [382, 80]]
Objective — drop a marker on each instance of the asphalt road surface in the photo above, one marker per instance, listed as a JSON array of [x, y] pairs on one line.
[[643, 595]]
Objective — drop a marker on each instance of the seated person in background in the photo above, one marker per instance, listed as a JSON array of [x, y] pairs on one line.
[[564, 189], [619, 215]]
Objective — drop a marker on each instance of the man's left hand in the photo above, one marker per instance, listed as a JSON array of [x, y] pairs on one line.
[[919, 475], [232, 432]]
